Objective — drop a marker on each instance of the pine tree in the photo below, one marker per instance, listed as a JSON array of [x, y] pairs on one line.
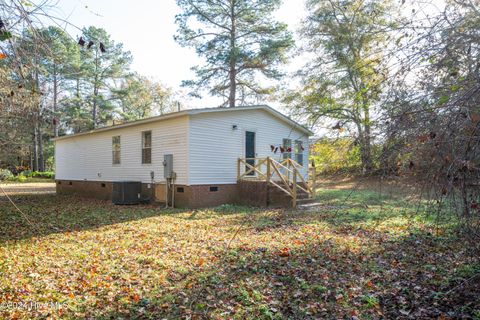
[[103, 63], [239, 40]]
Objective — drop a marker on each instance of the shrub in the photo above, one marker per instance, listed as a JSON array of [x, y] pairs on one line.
[[27, 173], [19, 178], [46, 174], [5, 174], [335, 155], [340, 156]]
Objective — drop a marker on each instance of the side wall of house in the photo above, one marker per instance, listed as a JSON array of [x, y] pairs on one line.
[[215, 145], [89, 157]]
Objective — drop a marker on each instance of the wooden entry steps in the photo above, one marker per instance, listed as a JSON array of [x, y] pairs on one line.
[[282, 178]]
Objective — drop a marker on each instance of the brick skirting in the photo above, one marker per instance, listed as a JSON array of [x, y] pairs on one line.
[[199, 196], [95, 189], [252, 193], [90, 189]]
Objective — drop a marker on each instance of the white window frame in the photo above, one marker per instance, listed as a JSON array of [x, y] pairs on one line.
[[287, 143], [116, 150], [298, 152], [145, 148]]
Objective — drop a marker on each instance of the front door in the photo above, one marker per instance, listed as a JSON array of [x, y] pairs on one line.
[[250, 150]]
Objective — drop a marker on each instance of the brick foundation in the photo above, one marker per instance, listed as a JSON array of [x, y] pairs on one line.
[[101, 190], [252, 193], [199, 196], [89, 189]]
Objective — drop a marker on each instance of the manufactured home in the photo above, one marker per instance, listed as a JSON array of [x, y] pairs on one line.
[[192, 158]]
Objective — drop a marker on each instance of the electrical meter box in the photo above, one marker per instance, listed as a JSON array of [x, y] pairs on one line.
[[168, 166]]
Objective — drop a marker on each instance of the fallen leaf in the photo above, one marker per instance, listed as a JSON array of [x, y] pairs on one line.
[[285, 252], [136, 297]]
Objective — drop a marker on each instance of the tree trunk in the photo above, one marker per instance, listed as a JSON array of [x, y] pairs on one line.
[[95, 92], [366, 152], [55, 97], [94, 109], [232, 66], [35, 149], [36, 121], [41, 160], [31, 159], [78, 88], [367, 143]]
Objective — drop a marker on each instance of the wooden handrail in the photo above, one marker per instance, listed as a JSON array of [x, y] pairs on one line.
[[294, 163], [304, 183], [287, 184], [252, 168], [281, 188], [297, 165], [287, 170]]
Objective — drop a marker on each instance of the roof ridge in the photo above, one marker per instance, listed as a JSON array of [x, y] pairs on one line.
[[186, 112]]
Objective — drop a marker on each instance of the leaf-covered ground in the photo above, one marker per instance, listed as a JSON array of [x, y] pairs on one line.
[[360, 255]]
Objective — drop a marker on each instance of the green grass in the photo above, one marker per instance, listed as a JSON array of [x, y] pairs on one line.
[[363, 254], [373, 209]]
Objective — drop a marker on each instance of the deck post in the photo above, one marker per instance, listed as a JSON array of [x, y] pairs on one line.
[[288, 171], [238, 169], [294, 190], [268, 170]]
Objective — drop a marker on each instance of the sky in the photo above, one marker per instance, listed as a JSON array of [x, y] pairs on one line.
[[146, 28]]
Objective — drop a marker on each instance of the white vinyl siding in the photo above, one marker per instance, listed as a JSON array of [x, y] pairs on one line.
[[214, 145], [89, 157], [205, 147]]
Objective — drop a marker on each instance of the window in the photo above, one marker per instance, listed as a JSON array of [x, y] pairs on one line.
[[146, 147], [299, 152], [180, 190], [287, 146], [213, 189], [116, 150]]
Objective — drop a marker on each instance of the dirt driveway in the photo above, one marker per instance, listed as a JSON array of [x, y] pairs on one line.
[[13, 189]]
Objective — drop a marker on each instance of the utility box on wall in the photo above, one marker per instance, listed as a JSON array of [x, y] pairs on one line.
[[168, 166]]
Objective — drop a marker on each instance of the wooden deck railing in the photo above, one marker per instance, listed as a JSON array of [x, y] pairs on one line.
[[284, 175]]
